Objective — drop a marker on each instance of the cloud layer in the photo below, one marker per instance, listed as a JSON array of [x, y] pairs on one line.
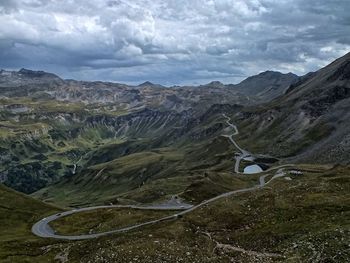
[[172, 42]]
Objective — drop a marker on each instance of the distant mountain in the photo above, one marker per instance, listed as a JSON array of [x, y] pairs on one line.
[[255, 89], [259, 88], [266, 85], [43, 85], [150, 84], [27, 77], [214, 84], [36, 74]]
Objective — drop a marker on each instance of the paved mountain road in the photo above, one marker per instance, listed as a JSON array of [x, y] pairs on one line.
[[42, 228], [244, 153]]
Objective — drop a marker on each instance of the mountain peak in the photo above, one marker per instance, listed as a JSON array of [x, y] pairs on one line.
[[146, 83], [216, 83], [35, 74], [266, 85], [150, 84], [271, 73]]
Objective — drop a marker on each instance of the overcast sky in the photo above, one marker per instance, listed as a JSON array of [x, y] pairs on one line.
[[172, 42]]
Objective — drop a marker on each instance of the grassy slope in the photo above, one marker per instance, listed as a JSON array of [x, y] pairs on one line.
[[54, 156], [284, 136], [102, 220], [152, 176], [302, 220], [18, 213], [46, 138]]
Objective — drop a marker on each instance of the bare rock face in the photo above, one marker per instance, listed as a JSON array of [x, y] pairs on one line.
[[325, 100], [342, 73]]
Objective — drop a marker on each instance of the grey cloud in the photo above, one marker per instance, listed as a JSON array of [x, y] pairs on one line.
[[172, 42], [7, 6]]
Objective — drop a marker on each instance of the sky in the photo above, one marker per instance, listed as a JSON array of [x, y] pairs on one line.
[[174, 42]]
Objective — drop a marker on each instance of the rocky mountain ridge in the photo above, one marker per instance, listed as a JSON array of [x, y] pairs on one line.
[[42, 85]]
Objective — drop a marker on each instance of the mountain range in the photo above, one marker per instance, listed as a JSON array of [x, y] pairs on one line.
[[71, 144], [39, 108]]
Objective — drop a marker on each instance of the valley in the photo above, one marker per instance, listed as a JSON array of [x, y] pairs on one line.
[[43, 229]]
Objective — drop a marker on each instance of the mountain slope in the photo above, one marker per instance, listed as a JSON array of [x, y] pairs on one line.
[[18, 213], [151, 165], [311, 121]]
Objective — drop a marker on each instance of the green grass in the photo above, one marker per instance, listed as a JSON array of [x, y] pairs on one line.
[[45, 106], [103, 183], [149, 176], [18, 208], [11, 129], [102, 220], [307, 210], [49, 148], [18, 213], [304, 220]]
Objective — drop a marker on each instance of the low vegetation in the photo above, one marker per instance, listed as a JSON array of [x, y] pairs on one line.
[[103, 220], [18, 213], [305, 219]]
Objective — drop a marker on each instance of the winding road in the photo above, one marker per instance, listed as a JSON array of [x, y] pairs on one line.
[[43, 229], [244, 153]]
